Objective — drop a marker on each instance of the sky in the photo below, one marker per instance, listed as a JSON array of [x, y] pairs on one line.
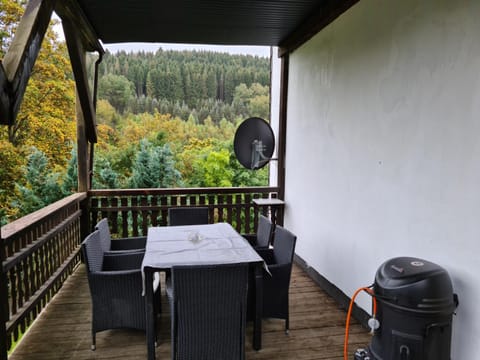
[[262, 51]]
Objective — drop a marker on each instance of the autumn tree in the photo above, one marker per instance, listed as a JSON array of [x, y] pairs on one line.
[[46, 118], [11, 163], [47, 113]]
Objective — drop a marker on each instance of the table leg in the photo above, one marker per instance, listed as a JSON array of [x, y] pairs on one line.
[[257, 325], [150, 314]]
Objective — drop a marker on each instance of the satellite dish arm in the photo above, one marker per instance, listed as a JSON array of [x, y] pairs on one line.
[[258, 157]]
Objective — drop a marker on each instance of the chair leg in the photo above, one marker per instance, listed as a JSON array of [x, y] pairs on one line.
[[94, 344], [287, 326]]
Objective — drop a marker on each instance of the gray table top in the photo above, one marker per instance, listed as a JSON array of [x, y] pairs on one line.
[[208, 244]]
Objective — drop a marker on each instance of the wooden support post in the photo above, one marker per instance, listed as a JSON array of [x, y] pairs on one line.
[[86, 124], [5, 108], [18, 62], [82, 150]]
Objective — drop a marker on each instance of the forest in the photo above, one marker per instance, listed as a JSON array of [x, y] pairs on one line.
[[164, 119]]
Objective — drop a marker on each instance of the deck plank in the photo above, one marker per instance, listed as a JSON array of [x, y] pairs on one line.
[[63, 330]]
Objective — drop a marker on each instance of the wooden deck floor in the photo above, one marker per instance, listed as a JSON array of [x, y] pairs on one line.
[[63, 329]]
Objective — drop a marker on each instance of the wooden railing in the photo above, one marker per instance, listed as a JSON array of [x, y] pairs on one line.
[[131, 212], [37, 253]]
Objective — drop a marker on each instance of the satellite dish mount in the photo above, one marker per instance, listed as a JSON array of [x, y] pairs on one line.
[[254, 143]]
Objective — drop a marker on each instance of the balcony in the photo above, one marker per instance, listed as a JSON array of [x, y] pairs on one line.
[[42, 266]]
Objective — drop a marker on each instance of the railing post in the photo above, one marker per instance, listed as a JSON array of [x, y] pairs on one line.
[[4, 310], [84, 218]]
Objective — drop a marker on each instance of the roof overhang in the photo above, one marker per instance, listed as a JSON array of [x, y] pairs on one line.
[[227, 22]]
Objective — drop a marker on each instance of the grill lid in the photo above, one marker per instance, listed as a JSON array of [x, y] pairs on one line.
[[414, 284]]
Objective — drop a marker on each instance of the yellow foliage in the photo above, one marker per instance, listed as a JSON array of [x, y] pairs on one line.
[[11, 163]]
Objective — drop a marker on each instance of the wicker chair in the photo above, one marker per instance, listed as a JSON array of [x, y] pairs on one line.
[[187, 216], [263, 238], [276, 284], [208, 305], [115, 283], [131, 244]]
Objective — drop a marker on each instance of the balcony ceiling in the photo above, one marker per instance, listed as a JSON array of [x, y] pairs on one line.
[[221, 22]]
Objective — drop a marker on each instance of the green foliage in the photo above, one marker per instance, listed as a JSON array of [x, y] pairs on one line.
[[104, 175], [117, 89], [154, 167], [254, 98], [211, 169], [169, 80], [42, 184], [70, 180], [11, 163]]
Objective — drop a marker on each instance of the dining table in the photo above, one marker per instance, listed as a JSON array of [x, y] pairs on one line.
[[208, 244]]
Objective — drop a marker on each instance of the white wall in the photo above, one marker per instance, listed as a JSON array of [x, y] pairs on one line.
[[383, 147]]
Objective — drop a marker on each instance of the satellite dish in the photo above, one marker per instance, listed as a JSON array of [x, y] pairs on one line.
[[254, 143]]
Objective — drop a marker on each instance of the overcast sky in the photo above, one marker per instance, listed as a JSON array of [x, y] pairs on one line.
[[263, 51]]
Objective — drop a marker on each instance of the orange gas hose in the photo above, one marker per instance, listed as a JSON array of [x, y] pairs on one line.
[[349, 313]]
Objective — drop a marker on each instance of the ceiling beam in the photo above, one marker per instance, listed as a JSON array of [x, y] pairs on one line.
[[71, 12], [318, 20], [18, 62]]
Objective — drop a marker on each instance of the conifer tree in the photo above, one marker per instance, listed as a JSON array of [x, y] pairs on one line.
[[42, 187], [154, 167]]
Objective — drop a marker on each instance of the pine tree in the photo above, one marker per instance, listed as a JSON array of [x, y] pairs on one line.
[[154, 167], [42, 186], [104, 175], [70, 180]]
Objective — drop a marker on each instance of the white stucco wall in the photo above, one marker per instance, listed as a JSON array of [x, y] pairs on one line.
[[383, 147]]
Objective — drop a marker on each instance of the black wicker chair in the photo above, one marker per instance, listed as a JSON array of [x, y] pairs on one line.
[[115, 283], [208, 306], [187, 216], [263, 238], [131, 244], [276, 284]]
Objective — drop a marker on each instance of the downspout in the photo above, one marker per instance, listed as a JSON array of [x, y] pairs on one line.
[[282, 129], [95, 90]]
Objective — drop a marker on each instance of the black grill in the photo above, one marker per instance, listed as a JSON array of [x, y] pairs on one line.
[[415, 304]]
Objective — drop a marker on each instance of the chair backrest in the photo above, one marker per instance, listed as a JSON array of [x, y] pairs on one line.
[[209, 311], [284, 247], [93, 252], [264, 231], [187, 216], [105, 236]]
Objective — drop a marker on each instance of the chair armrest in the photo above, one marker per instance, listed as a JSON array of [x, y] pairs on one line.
[[129, 243], [123, 261], [280, 270], [122, 252], [279, 278], [105, 282], [116, 291], [266, 254], [251, 238]]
